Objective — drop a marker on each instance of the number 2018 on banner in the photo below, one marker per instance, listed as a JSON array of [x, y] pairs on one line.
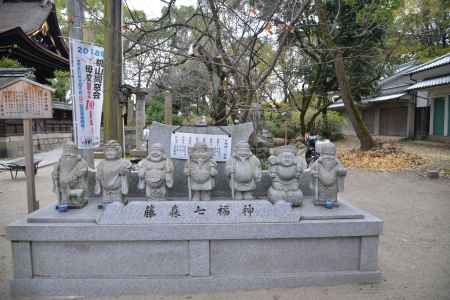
[[85, 51]]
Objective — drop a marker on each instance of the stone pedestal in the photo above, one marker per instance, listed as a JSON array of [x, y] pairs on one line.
[[75, 253]]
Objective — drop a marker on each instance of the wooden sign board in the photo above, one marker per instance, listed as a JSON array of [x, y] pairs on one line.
[[25, 99]]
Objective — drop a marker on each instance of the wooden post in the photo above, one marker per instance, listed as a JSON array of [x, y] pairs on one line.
[[112, 116], [29, 165]]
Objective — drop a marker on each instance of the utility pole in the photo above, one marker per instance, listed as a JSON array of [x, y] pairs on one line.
[[76, 17], [112, 113]]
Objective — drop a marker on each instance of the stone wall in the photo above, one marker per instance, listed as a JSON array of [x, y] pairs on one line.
[[12, 146]]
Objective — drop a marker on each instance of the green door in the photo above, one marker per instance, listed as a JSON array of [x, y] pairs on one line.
[[448, 114], [438, 120]]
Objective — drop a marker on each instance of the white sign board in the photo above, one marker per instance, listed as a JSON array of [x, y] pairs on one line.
[[181, 141], [86, 65]]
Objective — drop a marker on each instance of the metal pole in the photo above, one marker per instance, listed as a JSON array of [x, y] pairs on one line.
[[29, 165]]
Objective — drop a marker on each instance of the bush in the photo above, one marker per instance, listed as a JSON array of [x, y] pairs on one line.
[[278, 128], [9, 63], [154, 111], [61, 83], [332, 129]]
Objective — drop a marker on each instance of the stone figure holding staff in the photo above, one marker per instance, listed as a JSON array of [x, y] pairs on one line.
[[112, 175], [70, 178], [244, 170], [201, 170], [328, 176]]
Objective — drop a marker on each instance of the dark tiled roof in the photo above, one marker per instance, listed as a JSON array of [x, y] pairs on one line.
[[8, 75], [16, 72], [439, 81], [28, 15], [434, 63]]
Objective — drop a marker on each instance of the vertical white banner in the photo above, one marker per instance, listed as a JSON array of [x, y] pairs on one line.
[[86, 67]]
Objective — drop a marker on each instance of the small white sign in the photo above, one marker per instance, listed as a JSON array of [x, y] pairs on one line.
[[181, 141]]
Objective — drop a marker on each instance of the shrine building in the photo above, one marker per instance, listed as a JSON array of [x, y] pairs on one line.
[[30, 34]]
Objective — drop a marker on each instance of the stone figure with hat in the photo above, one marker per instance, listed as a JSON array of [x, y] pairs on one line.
[[112, 175], [285, 169], [328, 176], [244, 171], [201, 170], [156, 173], [70, 179]]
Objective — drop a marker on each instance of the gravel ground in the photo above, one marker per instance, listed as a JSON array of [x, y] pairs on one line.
[[414, 250]]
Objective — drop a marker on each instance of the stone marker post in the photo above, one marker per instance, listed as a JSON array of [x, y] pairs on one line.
[[168, 108], [140, 116]]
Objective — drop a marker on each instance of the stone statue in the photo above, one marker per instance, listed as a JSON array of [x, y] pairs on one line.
[[244, 170], [201, 170], [285, 169], [70, 179], [328, 176], [155, 173], [111, 178]]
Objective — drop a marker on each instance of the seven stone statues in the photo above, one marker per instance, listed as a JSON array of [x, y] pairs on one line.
[[244, 170], [201, 170], [70, 179], [155, 173], [328, 176], [111, 179], [285, 169]]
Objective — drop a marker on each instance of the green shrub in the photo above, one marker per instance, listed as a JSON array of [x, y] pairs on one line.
[[154, 111], [6, 62], [332, 128]]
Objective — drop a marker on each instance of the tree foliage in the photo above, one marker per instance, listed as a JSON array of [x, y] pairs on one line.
[[227, 59]]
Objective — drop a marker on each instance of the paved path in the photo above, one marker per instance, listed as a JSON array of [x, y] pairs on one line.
[[414, 250]]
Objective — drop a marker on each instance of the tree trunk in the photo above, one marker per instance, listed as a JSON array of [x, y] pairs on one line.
[[353, 112]]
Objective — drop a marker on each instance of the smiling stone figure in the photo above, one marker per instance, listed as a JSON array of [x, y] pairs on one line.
[[244, 170], [155, 173], [112, 175]]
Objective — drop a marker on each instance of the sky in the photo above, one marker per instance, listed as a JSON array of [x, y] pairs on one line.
[[152, 8]]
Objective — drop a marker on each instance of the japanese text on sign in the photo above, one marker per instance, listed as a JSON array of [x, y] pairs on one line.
[[86, 65], [25, 99], [181, 141]]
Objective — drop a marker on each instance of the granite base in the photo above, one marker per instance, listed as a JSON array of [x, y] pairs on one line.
[[79, 257]]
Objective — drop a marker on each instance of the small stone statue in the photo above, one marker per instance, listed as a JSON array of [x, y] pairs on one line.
[[244, 170], [70, 179], [111, 178], [201, 170], [155, 173], [328, 176], [285, 169]]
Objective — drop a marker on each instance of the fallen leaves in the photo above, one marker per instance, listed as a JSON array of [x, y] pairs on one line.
[[387, 157]]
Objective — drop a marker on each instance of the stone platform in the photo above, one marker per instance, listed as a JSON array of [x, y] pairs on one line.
[[85, 252]]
